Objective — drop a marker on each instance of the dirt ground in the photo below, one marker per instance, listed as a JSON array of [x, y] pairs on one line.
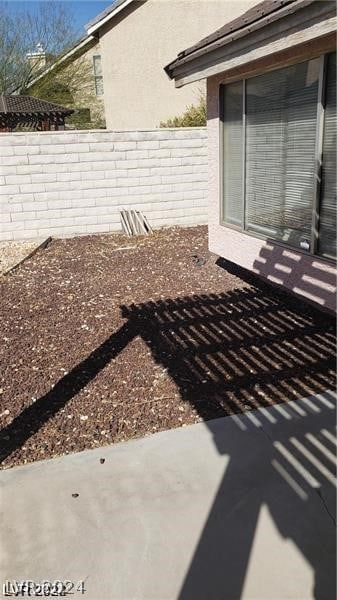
[[12, 253], [104, 338]]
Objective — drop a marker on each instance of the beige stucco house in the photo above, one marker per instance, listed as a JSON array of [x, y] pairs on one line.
[[136, 38], [271, 96], [125, 48]]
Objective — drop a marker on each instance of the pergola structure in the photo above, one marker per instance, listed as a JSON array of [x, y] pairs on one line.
[[31, 113]]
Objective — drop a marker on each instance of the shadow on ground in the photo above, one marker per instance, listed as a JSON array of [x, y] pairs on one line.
[[229, 353], [295, 484]]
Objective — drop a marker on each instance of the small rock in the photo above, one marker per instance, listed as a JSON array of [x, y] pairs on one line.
[[102, 461], [75, 495], [198, 260], [84, 417]]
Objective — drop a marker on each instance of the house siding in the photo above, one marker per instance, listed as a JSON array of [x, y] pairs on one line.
[[139, 41]]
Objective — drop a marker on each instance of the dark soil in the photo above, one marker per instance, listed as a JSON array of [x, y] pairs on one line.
[[104, 339]]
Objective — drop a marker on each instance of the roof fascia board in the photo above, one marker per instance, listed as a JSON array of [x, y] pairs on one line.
[[244, 31], [292, 31], [260, 10], [266, 63], [107, 18], [69, 55]]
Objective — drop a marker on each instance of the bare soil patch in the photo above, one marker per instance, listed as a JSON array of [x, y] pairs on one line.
[[12, 253], [104, 338]]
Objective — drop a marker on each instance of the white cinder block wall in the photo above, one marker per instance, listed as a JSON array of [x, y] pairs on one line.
[[67, 183]]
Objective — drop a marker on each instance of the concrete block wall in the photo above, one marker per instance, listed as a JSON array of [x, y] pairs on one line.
[[66, 183]]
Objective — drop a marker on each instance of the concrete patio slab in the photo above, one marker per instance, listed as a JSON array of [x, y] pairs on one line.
[[239, 507]]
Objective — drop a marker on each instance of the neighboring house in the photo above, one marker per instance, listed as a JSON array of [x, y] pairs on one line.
[[271, 95], [76, 79], [125, 48], [136, 38]]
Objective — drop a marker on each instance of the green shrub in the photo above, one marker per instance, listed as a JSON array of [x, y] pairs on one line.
[[194, 116]]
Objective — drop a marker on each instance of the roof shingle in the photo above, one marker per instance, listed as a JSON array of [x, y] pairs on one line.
[[29, 105]]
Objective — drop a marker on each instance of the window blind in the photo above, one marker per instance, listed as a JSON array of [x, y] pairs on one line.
[[233, 154], [281, 112]]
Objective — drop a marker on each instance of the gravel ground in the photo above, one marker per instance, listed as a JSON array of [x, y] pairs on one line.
[[106, 338], [11, 253]]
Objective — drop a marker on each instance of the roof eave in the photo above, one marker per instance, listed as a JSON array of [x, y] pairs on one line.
[[93, 27], [242, 36]]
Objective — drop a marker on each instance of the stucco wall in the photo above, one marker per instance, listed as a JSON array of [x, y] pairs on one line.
[[65, 183], [140, 41], [305, 275]]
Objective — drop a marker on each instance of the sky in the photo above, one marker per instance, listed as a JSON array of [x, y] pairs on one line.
[[83, 10]]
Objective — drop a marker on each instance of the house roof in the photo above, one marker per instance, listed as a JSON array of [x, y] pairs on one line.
[[28, 105], [106, 15], [263, 12]]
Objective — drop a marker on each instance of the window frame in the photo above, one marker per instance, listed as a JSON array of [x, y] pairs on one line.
[[316, 192], [98, 77]]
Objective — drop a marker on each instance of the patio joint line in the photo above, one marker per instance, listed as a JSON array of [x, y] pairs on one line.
[[319, 493]]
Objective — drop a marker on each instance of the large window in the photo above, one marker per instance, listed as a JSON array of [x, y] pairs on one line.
[[279, 155]]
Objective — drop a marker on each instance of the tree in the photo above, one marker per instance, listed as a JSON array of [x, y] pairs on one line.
[[194, 116], [49, 27], [71, 84]]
